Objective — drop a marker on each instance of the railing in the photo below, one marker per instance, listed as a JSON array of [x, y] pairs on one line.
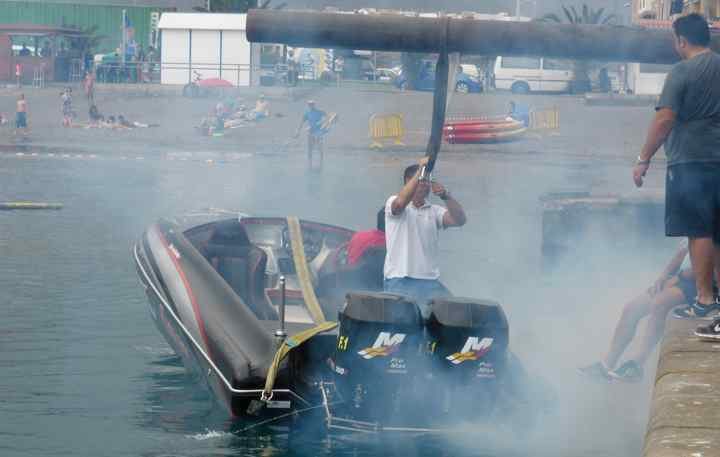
[[128, 72], [187, 72]]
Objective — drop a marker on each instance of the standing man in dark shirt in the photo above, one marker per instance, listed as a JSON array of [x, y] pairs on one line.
[[687, 122]]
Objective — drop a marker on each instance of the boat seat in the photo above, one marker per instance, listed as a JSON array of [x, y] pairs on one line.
[[241, 264]]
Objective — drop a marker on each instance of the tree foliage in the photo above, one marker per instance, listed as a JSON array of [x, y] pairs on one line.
[[587, 16], [239, 6]]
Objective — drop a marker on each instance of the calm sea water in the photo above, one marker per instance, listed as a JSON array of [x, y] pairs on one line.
[[84, 372]]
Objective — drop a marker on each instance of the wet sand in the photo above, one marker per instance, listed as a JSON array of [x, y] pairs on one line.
[[605, 133]]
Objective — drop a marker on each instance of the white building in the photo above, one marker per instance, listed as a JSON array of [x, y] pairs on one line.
[[212, 45]]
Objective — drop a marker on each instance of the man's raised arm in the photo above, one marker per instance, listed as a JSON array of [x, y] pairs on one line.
[[405, 195]]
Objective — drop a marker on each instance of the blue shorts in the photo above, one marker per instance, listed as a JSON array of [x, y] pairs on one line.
[[20, 120], [422, 291]]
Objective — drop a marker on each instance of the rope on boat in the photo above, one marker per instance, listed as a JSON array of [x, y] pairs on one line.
[[302, 270], [277, 418], [285, 347]]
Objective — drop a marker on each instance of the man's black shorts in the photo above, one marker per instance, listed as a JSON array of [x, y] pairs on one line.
[[692, 200]]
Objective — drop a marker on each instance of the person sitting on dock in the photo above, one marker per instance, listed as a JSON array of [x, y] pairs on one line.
[[412, 234], [519, 112], [261, 111], [362, 241], [674, 287]]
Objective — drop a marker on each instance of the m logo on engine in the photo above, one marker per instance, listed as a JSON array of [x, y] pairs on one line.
[[474, 349], [385, 344]]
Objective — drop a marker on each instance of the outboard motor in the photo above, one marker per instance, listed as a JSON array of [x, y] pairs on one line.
[[467, 341], [377, 353]]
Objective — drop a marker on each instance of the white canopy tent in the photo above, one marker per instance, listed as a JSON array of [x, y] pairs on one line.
[[208, 45]]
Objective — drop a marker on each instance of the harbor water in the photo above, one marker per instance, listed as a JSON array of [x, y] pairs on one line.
[[84, 372]]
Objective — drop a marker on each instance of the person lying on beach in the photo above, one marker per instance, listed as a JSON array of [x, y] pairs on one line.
[[123, 123]]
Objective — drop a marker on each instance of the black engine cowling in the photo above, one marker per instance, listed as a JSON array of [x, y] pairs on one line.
[[391, 365], [468, 345], [378, 351]]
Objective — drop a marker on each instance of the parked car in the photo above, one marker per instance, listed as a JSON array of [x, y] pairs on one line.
[[464, 83], [470, 70], [524, 74], [382, 74]]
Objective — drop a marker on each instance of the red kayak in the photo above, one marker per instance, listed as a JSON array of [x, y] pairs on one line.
[[480, 127], [484, 137]]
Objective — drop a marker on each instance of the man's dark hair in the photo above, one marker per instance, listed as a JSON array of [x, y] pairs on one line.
[[381, 220], [410, 172], [694, 28]]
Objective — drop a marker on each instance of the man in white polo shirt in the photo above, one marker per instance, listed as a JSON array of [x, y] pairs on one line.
[[412, 231]]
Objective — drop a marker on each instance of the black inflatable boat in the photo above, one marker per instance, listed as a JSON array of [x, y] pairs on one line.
[[268, 312]]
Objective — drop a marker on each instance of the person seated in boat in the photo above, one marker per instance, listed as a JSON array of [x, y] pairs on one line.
[[412, 233], [519, 112], [674, 287], [362, 241]]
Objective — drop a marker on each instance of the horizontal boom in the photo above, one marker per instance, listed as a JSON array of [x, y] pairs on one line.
[[387, 32]]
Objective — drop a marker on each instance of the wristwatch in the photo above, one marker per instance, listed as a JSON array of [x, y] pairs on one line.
[[640, 161]]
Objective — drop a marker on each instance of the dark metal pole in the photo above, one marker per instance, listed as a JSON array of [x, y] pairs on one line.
[[281, 333], [467, 36], [439, 101]]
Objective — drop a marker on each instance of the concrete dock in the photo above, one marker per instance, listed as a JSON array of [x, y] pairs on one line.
[[685, 408]]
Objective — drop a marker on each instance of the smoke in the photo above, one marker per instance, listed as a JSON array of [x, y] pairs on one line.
[[559, 319]]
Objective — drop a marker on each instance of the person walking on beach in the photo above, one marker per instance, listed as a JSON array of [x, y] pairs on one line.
[[67, 107], [89, 86], [687, 122], [314, 118], [21, 115]]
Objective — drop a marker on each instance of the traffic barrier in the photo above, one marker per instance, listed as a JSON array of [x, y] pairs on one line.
[[547, 119], [386, 127]]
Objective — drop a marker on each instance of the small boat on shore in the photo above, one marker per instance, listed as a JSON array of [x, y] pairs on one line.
[[268, 313], [482, 130]]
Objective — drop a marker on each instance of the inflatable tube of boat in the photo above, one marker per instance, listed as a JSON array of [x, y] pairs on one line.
[[220, 322], [484, 137], [482, 127]]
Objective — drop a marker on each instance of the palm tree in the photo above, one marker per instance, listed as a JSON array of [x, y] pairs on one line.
[[588, 16], [238, 6]]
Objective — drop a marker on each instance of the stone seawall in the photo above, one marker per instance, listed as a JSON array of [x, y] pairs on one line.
[[685, 407]]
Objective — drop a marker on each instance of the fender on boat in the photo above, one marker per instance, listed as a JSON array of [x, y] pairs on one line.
[[227, 332]]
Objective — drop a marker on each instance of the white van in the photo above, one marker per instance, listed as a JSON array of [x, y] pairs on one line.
[[524, 74]]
